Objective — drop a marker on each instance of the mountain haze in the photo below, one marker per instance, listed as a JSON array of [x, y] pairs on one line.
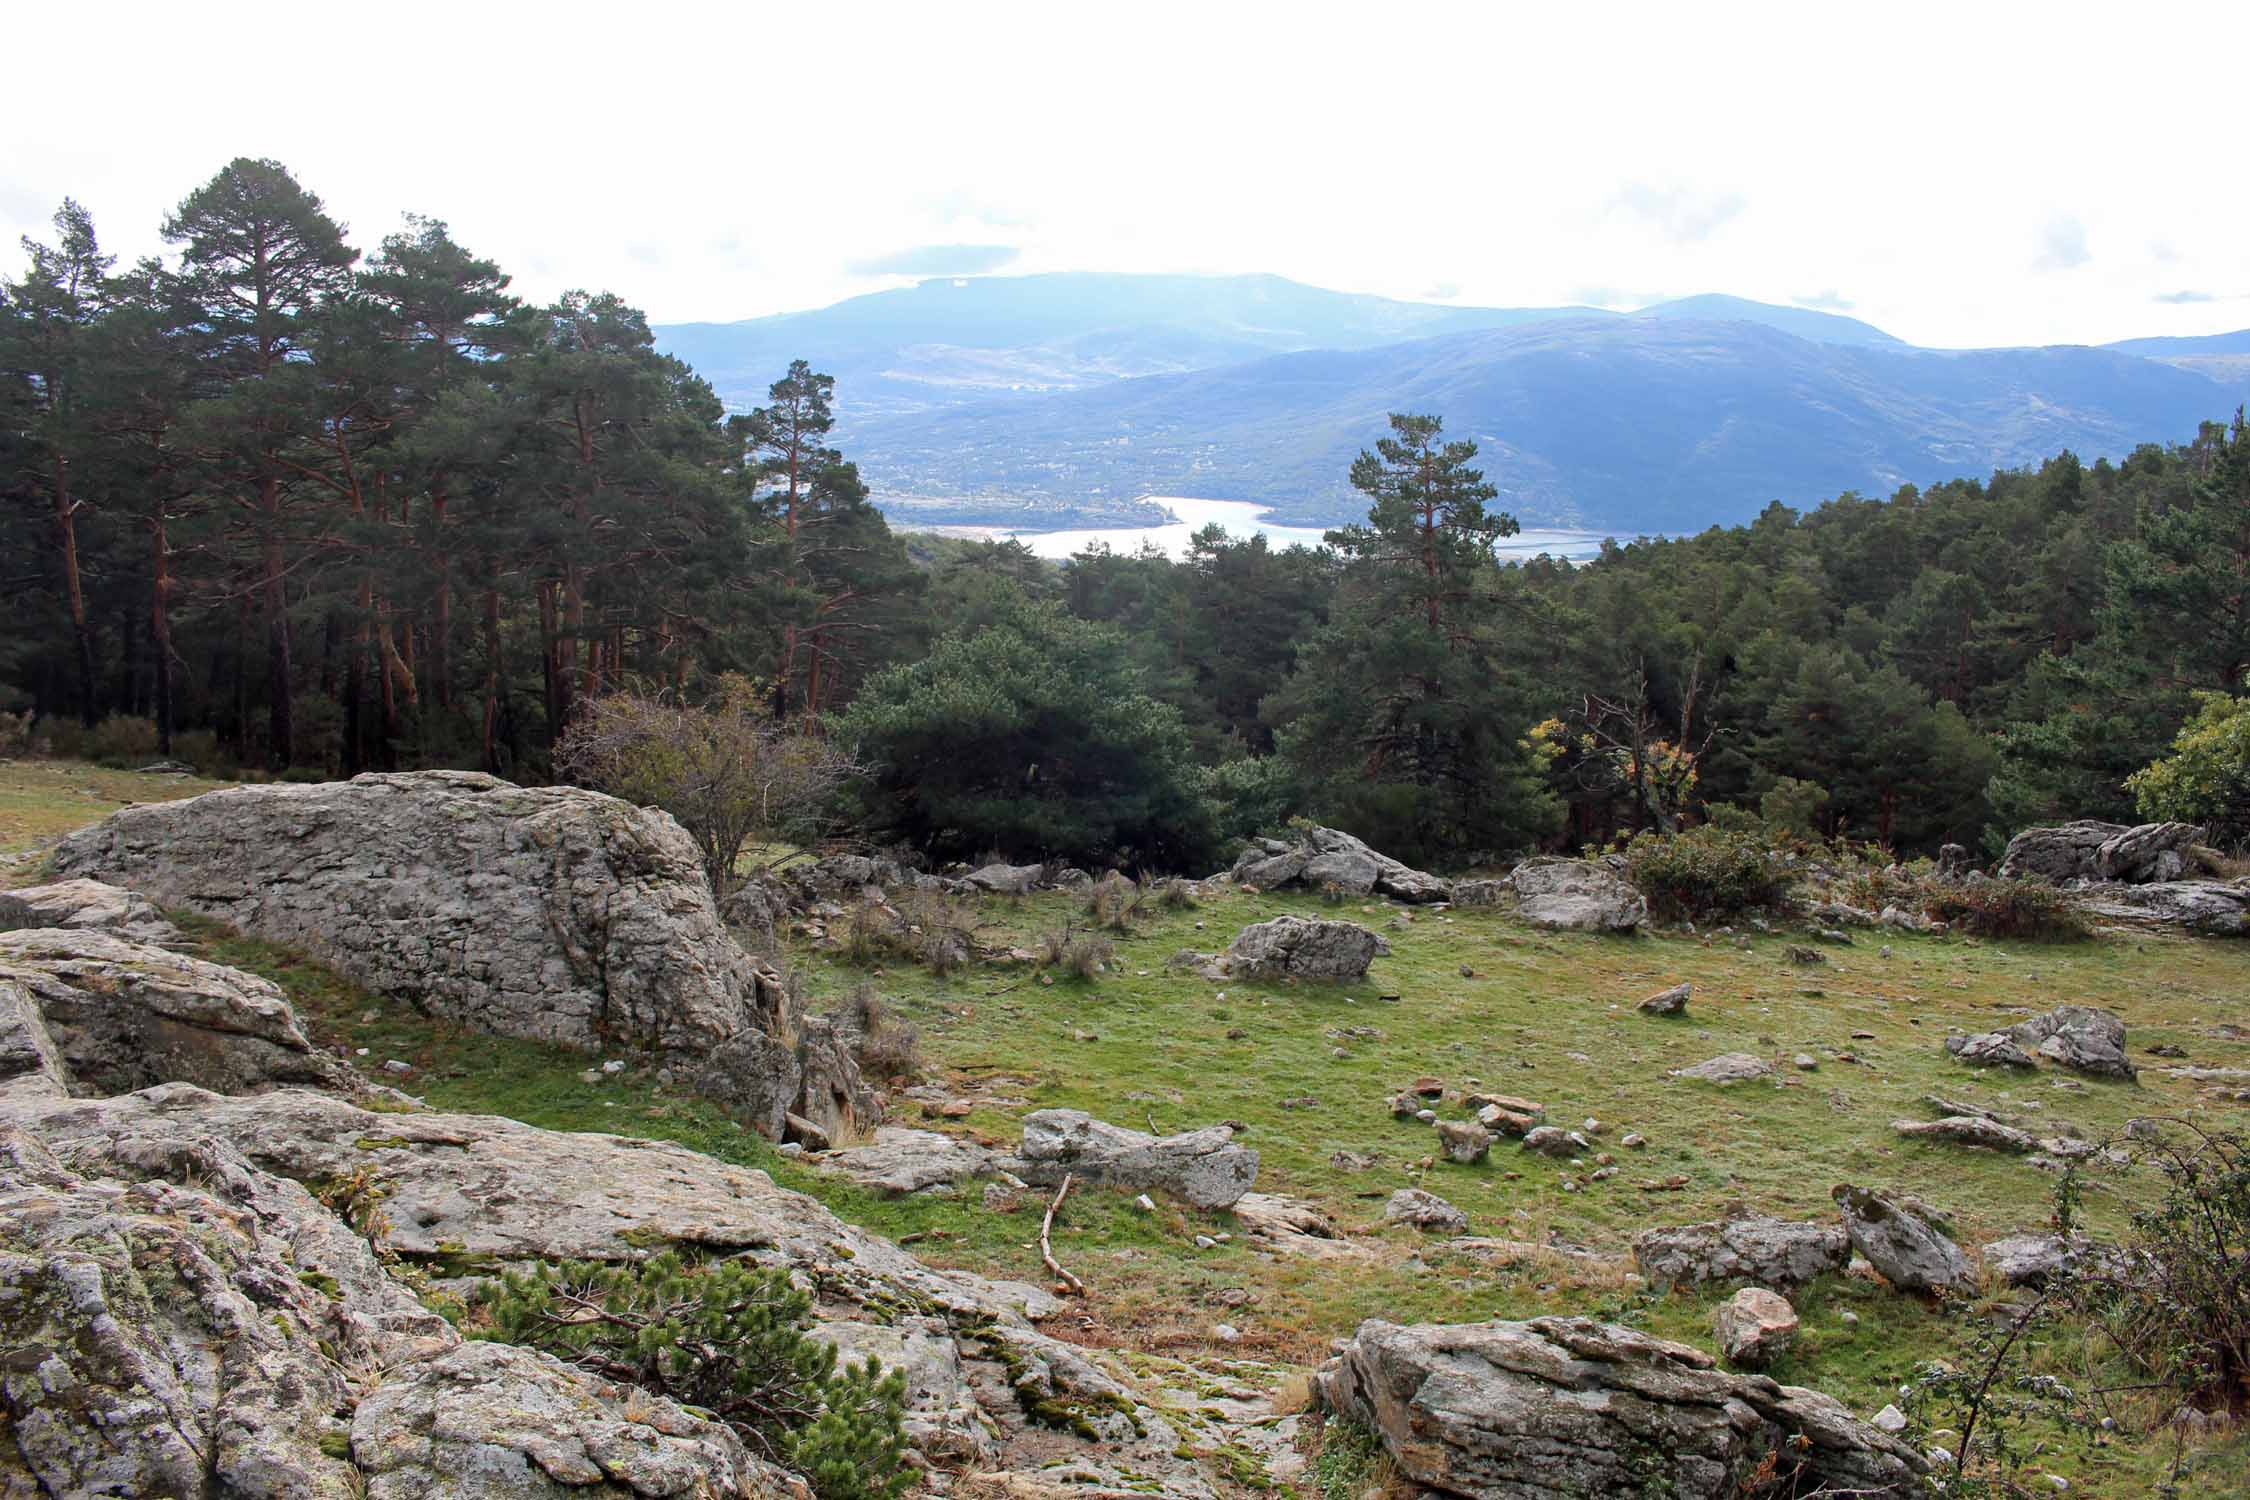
[[1087, 390]]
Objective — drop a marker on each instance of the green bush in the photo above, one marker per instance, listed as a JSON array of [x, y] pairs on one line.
[[1707, 873], [122, 741], [729, 1338], [2206, 778], [2027, 909]]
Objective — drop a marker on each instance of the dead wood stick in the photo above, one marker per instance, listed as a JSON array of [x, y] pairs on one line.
[[1046, 1252]]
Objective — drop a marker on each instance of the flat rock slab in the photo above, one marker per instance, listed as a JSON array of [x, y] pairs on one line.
[[1422, 1210], [87, 905], [1291, 1226], [900, 1161], [1728, 1067], [1202, 1167], [1571, 1406], [1330, 857]]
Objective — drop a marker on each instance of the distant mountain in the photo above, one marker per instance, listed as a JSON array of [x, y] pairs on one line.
[[1819, 327], [1636, 424], [948, 340], [1057, 399]]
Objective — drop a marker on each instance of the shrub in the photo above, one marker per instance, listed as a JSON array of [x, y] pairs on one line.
[[728, 772], [1706, 873], [2206, 778], [2025, 909], [1114, 902], [15, 735], [122, 741], [885, 1047], [729, 1338], [1172, 893]]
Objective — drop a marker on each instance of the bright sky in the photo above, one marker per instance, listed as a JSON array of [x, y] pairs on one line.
[[1959, 174]]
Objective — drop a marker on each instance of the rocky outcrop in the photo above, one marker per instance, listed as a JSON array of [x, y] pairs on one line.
[[426, 1418], [1902, 1241], [1969, 1130], [82, 1012], [87, 906], [1569, 1406], [1669, 1002], [2092, 850], [1989, 1049], [901, 1161], [1324, 857], [205, 1329], [2082, 1038], [1770, 1252], [1302, 948], [551, 913], [1728, 1067], [1575, 895], [2210, 907], [1203, 1168], [1291, 1226]]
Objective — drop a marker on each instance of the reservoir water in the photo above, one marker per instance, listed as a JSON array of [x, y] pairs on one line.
[[1243, 518]]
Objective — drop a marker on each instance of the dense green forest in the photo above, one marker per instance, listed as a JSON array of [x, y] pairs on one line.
[[273, 504]]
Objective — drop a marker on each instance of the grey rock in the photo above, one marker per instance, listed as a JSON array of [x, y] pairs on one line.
[[1901, 1242], [1202, 1167], [2083, 1038], [1007, 880], [943, 1420], [553, 913], [1329, 856], [1464, 1141], [1291, 1226], [1728, 1067], [1480, 892], [1571, 1406], [87, 905], [1669, 1002], [1990, 1049], [1576, 895], [900, 1161], [2150, 851], [114, 1015], [1302, 948], [2030, 1259], [2057, 852], [1771, 1252], [1550, 1140], [1754, 1327], [1422, 1210], [1969, 1130], [2209, 907], [1953, 861]]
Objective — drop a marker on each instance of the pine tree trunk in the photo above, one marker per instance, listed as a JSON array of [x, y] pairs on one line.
[[441, 627], [277, 628], [491, 679], [74, 593], [160, 635]]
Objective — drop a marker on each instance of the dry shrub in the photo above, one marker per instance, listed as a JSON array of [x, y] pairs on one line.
[[1115, 902], [2022, 909], [1088, 954], [886, 1048], [1170, 893]]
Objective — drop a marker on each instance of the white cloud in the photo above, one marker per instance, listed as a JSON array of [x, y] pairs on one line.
[[722, 164]]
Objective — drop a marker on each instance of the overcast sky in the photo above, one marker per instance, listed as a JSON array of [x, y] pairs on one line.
[[1959, 174]]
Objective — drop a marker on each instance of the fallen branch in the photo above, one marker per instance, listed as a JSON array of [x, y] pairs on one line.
[[1046, 1253]]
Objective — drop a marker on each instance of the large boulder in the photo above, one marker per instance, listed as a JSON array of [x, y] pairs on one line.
[[94, 1014], [87, 905], [1569, 1406], [2082, 1038], [1771, 1252], [1901, 1240], [1576, 895], [2093, 850], [899, 1161], [1328, 856], [1423, 1210], [1302, 948], [1202, 1167], [552, 913]]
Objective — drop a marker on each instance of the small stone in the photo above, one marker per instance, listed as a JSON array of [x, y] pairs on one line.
[[1426, 1116], [394, 1065], [1465, 1141], [1226, 1333], [1805, 1062], [1848, 1318], [1890, 1419], [1205, 1242], [614, 1066], [1145, 1204], [1669, 1002], [1633, 1141]]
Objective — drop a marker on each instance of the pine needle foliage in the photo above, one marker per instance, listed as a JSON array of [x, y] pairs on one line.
[[729, 1338]]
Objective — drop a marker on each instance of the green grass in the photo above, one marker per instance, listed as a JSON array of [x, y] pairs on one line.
[[41, 800], [1550, 1016]]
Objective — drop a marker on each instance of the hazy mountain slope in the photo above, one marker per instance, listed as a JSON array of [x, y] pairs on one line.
[[1804, 323], [1637, 424], [2237, 342], [947, 340]]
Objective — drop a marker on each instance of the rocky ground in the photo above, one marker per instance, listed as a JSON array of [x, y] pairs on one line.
[[1484, 1127]]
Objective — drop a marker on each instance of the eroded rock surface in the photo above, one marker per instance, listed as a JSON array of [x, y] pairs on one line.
[[113, 1015], [1302, 948], [2082, 1038], [1330, 857], [1771, 1252], [1901, 1241], [88, 906], [1569, 1406], [1202, 1167], [552, 913], [1754, 1327], [1575, 895]]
